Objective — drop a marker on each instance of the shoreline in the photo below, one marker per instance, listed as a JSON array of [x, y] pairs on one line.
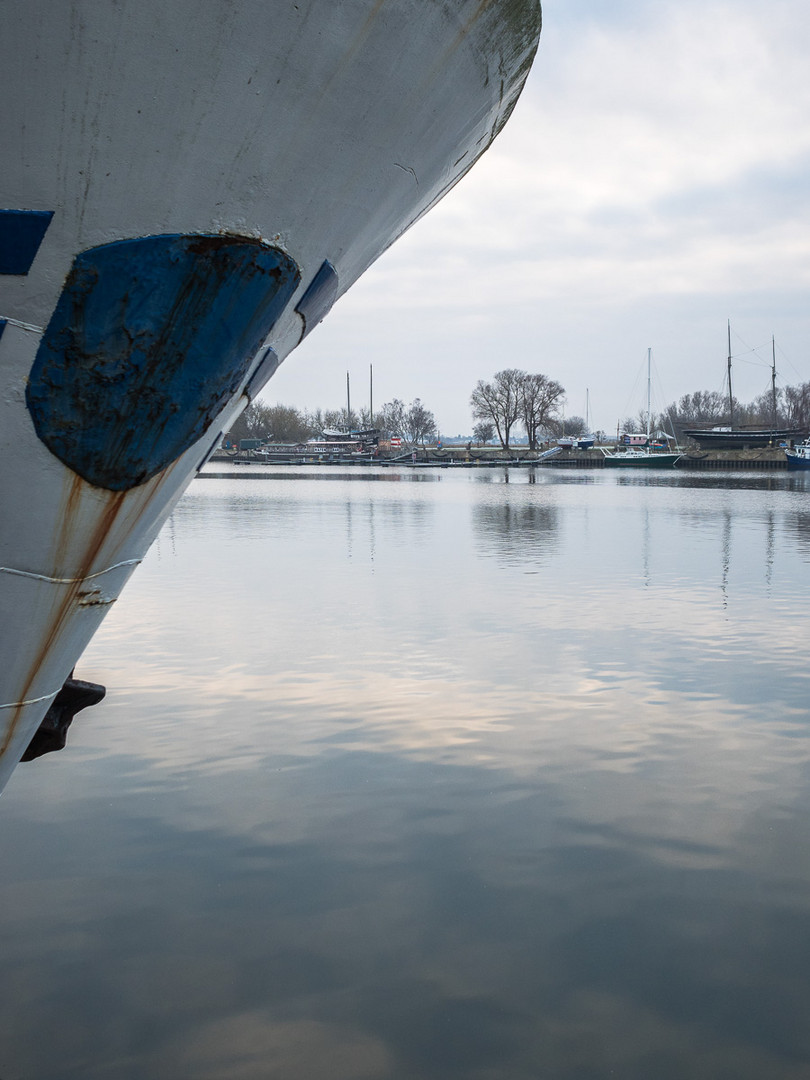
[[491, 457]]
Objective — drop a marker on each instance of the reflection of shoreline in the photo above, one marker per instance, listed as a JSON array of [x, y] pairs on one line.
[[525, 532], [263, 472], [370, 607], [801, 533], [717, 481]]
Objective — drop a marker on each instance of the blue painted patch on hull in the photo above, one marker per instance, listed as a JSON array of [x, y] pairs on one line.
[[2, 326], [148, 342], [319, 297], [21, 233], [266, 368]]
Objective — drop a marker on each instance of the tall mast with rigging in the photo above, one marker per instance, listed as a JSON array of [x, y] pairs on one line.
[[730, 394], [773, 381]]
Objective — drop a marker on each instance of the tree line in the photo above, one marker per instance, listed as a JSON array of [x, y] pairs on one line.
[[514, 400], [788, 407], [415, 424]]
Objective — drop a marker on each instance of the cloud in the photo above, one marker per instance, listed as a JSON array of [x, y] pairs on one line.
[[655, 161]]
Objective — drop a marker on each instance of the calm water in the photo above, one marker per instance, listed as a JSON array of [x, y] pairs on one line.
[[430, 774]]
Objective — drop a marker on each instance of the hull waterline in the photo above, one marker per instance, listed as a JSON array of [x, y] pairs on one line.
[[641, 461], [740, 439], [186, 190], [798, 459]]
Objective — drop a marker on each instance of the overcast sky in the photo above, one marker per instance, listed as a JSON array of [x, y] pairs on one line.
[[653, 182]]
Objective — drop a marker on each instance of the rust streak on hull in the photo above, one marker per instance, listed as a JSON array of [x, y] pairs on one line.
[[114, 502]]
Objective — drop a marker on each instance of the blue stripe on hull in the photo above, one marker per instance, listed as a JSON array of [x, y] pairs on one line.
[[319, 297], [148, 342], [21, 233], [267, 367]]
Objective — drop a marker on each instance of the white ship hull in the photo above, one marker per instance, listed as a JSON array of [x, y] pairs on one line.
[[186, 188]]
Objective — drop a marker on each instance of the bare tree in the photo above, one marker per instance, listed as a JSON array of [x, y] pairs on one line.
[[316, 421], [483, 431], [284, 423], [540, 399], [797, 406], [254, 422], [392, 418], [499, 402], [289, 425], [700, 407], [569, 425], [419, 423], [340, 419]]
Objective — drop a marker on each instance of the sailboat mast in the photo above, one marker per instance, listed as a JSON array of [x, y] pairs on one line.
[[773, 380], [649, 365], [348, 405], [730, 394]]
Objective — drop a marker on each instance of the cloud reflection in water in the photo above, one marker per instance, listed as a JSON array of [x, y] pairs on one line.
[[368, 800]]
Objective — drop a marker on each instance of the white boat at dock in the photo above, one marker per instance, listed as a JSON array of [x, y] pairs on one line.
[[798, 456]]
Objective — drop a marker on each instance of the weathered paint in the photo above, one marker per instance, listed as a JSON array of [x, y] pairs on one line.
[[265, 369], [211, 449], [21, 233], [321, 294], [322, 127], [148, 342]]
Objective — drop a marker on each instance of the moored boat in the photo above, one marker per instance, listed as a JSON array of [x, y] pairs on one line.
[[647, 453], [640, 458], [798, 456], [733, 436], [186, 191], [740, 437], [586, 440]]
